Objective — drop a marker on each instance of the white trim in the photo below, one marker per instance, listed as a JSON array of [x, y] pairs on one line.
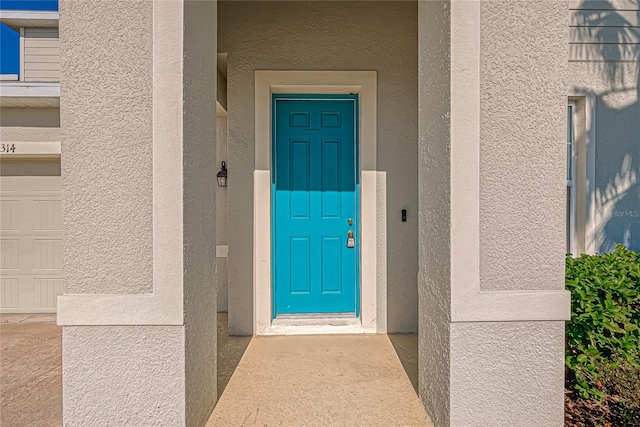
[[28, 94], [588, 96], [165, 305], [317, 326], [317, 82], [572, 181], [29, 149], [8, 78], [469, 303], [222, 251], [21, 53], [23, 89], [29, 15]]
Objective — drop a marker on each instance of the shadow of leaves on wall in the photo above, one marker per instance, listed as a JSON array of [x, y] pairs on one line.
[[609, 39]]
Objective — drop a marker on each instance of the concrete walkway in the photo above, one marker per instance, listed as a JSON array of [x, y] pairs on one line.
[[340, 380], [337, 380]]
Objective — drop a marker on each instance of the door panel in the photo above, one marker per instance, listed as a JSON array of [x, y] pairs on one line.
[[315, 194]]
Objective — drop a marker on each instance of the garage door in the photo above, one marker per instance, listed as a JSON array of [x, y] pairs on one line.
[[30, 236]]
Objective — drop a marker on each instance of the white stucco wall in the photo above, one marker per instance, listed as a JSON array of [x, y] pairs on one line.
[[123, 375], [380, 37], [507, 374], [434, 223], [492, 212], [107, 165], [139, 178], [522, 127], [222, 216], [199, 209]]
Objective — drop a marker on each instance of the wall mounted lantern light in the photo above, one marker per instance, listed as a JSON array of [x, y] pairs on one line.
[[222, 175]]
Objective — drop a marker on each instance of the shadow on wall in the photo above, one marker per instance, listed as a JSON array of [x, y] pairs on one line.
[[610, 40]]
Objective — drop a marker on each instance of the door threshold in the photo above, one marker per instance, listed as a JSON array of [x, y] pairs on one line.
[[316, 324], [323, 316]]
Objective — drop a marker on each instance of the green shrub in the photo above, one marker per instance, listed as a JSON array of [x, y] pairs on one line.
[[603, 333]]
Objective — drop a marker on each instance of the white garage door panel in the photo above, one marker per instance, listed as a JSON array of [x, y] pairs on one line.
[[30, 244]]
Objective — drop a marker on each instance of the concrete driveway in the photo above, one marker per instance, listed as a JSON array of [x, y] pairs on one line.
[[30, 370]]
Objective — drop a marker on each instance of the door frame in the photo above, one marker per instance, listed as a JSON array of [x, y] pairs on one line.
[[372, 202]]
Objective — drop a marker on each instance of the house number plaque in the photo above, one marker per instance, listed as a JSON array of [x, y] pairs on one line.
[[7, 148]]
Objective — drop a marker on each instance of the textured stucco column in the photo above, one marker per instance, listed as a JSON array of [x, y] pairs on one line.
[[492, 101], [138, 170]]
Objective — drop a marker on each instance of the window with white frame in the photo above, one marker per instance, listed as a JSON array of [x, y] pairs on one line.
[[570, 208]]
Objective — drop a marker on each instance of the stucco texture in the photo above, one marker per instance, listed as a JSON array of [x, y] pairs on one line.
[[30, 124], [123, 375], [617, 148], [199, 210], [106, 122], [522, 154], [151, 375], [434, 280], [317, 36], [507, 374], [222, 216], [493, 373]]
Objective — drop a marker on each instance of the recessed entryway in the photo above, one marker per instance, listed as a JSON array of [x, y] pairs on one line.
[[323, 137]]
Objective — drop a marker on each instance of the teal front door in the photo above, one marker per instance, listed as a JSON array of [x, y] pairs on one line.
[[315, 190]]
